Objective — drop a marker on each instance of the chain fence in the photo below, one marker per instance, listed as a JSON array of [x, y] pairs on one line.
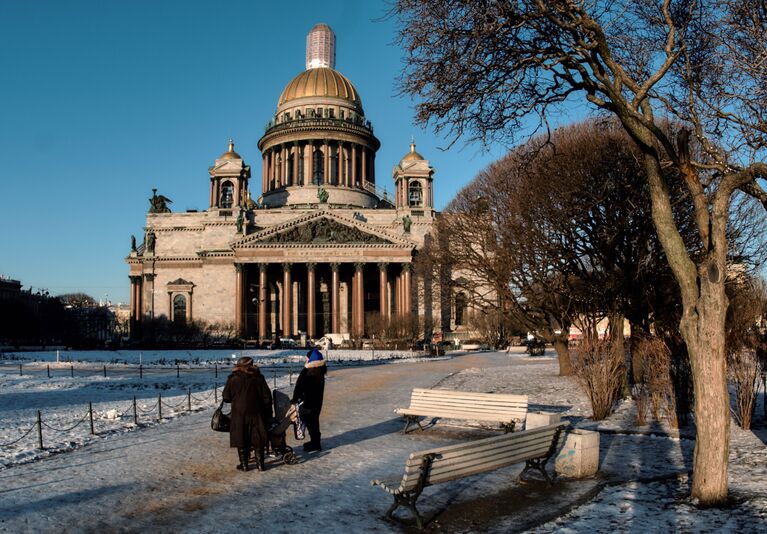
[[133, 411]]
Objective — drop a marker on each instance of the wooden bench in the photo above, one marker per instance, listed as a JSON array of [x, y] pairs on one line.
[[498, 408], [435, 466]]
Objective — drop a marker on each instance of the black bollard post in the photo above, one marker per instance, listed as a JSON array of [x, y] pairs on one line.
[[90, 413], [72, 370], [215, 393], [159, 406], [140, 371], [274, 379], [135, 412], [49, 371], [177, 371], [216, 370], [189, 400], [105, 371], [39, 430], [290, 377], [21, 373]]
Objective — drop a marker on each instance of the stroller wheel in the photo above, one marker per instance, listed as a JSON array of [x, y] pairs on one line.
[[290, 458]]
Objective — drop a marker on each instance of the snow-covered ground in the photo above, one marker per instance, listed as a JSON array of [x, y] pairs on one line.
[[179, 476], [62, 385]]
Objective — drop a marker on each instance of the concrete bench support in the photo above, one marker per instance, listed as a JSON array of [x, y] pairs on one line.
[[579, 456]]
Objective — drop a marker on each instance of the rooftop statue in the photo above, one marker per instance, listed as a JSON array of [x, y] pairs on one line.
[[323, 195], [159, 203]]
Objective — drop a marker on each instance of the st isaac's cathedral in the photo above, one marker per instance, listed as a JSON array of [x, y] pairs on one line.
[[320, 250]]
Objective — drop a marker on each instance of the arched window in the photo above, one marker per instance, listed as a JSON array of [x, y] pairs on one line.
[[318, 167], [289, 163], [227, 194], [415, 194], [179, 309], [460, 308]]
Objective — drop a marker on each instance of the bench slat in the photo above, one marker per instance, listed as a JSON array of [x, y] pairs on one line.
[[515, 436], [466, 394], [503, 417]]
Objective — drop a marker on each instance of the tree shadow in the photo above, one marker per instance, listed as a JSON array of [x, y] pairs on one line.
[[50, 504], [357, 435]]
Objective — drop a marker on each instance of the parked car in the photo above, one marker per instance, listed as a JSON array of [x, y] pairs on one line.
[[472, 344], [535, 347]]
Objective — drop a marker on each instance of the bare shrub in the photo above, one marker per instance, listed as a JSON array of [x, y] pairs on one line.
[[653, 370], [640, 396], [744, 370], [600, 372]]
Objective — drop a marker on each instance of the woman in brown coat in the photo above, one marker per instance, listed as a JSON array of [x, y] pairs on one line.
[[251, 399]]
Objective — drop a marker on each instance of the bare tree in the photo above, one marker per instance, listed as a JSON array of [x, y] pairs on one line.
[[482, 68]]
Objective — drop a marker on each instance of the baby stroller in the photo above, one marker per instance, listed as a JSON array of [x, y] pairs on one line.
[[285, 414]]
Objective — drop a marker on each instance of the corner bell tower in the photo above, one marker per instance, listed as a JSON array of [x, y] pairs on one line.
[[229, 181], [414, 184]]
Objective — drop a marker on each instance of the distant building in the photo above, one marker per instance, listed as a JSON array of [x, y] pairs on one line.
[[9, 289], [321, 249]]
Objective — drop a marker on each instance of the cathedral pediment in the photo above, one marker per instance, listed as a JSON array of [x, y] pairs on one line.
[[323, 229]]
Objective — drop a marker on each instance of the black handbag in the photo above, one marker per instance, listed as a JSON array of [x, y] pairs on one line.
[[220, 420]]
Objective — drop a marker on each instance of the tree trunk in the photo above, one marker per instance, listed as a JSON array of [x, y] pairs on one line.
[[563, 353], [704, 307], [618, 346], [704, 337]]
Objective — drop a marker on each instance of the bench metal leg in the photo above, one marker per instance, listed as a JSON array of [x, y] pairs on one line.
[[410, 420], [408, 500], [508, 427], [539, 465]]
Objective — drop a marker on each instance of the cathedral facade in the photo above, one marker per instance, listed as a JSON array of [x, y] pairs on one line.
[[316, 247]]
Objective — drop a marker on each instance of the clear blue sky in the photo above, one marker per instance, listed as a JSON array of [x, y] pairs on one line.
[[100, 101]]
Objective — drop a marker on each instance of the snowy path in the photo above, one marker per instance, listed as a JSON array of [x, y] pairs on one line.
[[180, 475]]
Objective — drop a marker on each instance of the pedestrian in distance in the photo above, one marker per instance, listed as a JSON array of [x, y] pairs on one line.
[[308, 394], [246, 389]]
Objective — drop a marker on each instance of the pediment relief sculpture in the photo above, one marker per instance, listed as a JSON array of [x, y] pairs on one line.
[[324, 231]]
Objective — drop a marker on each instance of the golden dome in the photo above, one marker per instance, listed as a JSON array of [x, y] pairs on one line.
[[320, 82], [413, 155], [230, 154]]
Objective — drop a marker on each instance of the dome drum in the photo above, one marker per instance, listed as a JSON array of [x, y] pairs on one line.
[[308, 196]]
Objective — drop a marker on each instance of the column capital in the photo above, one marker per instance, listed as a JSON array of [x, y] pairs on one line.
[[239, 267], [149, 277], [286, 267], [311, 266], [262, 267], [134, 278], [406, 267], [383, 265], [359, 266], [334, 267]]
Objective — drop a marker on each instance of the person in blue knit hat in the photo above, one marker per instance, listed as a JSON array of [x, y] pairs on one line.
[[309, 393]]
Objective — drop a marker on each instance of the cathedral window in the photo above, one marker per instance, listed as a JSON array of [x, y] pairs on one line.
[[227, 194], [179, 309], [460, 308], [318, 166], [300, 177], [415, 194], [289, 163]]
